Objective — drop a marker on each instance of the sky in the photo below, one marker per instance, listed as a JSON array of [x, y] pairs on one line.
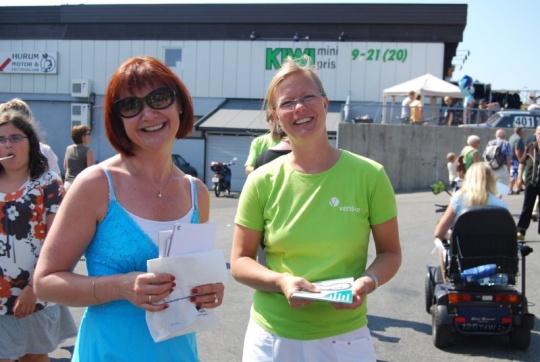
[[500, 37]]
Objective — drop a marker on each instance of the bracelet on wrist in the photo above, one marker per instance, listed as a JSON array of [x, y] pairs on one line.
[[372, 277]]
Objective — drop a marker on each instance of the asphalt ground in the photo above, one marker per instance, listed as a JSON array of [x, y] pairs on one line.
[[399, 324]]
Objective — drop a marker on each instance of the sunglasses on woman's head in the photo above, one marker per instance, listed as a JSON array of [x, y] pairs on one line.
[[129, 107]]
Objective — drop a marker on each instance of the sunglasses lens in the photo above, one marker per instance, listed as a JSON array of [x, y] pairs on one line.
[[129, 107], [160, 98], [132, 106]]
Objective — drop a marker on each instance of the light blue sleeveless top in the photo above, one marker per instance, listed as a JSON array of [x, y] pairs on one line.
[[117, 331]]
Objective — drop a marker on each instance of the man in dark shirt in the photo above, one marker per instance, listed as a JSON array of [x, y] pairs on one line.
[[449, 116], [518, 147]]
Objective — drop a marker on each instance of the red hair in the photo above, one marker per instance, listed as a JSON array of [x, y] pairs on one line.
[[134, 74]]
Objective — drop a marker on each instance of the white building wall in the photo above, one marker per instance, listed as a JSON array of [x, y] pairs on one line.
[[230, 69]]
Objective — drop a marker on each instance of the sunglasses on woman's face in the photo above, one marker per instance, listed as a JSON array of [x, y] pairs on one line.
[[129, 107]]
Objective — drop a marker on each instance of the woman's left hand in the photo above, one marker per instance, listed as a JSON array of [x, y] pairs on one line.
[[360, 290], [25, 303], [208, 295]]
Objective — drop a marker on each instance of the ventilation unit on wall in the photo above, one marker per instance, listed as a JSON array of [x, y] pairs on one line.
[[80, 114], [81, 88]]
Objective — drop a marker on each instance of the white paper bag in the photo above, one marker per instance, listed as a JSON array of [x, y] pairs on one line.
[[182, 316]]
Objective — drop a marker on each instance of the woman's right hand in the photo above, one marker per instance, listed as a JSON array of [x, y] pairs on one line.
[[25, 304], [290, 284], [147, 290]]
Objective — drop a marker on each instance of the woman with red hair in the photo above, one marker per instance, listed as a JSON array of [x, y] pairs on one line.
[[112, 215]]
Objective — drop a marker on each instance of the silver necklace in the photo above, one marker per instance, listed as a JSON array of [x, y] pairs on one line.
[[159, 193]]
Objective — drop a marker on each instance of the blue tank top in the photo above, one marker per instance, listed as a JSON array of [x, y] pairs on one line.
[[117, 331]]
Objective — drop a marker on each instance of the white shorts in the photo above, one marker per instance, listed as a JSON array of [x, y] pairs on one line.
[[263, 346]]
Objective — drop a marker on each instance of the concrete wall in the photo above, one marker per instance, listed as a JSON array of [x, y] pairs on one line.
[[414, 156]]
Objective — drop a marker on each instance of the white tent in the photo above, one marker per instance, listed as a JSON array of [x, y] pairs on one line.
[[427, 85]]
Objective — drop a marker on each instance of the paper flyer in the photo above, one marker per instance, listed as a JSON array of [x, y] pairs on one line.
[[334, 290], [186, 239]]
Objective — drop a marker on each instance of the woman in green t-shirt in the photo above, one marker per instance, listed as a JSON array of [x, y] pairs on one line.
[[316, 208]]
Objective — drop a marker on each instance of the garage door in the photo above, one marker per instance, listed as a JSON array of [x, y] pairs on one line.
[[222, 148]]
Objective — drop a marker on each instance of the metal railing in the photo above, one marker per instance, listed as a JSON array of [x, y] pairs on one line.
[[372, 112]]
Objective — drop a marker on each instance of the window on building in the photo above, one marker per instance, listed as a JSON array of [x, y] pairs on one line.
[[173, 57]]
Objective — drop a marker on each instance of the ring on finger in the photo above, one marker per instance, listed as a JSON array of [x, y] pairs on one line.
[[216, 300], [149, 299]]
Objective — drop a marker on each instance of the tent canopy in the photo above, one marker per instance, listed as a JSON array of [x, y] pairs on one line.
[[426, 85]]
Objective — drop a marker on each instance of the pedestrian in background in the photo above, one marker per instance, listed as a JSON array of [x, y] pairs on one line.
[[316, 208], [113, 214], [261, 144], [29, 199], [502, 170], [469, 154], [529, 166], [449, 115], [281, 149], [482, 114], [451, 166], [19, 105], [417, 110], [78, 155], [405, 107], [518, 148]]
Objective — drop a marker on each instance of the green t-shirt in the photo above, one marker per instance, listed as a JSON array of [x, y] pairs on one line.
[[468, 153], [258, 146], [316, 227]]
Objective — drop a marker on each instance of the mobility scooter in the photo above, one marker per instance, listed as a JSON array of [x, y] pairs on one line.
[[479, 297]]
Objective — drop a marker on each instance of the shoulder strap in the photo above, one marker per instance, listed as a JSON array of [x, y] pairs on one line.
[[194, 201], [112, 196]]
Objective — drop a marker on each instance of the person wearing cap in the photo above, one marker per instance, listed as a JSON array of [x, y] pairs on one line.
[[529, 175]]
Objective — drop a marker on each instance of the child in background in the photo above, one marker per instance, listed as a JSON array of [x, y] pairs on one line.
[[452, 169]]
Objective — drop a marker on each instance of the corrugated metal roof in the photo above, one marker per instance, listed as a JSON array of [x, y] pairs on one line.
[[242, 13], [241, 115], [377, 22], [268, 13]]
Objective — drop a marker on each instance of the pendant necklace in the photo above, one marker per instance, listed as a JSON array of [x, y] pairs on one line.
[[168, 180], [159, 193]]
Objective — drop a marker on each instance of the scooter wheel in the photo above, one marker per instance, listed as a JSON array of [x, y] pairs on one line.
[[217, 190], [429, 288], [441, 332]]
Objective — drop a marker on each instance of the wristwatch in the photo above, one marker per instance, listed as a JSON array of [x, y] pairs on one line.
[[372, 277]]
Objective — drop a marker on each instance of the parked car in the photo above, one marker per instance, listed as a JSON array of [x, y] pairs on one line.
[[184, 165], [511, 119]]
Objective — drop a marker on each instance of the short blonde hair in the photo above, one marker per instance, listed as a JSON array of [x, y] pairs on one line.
[[451, 156]]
